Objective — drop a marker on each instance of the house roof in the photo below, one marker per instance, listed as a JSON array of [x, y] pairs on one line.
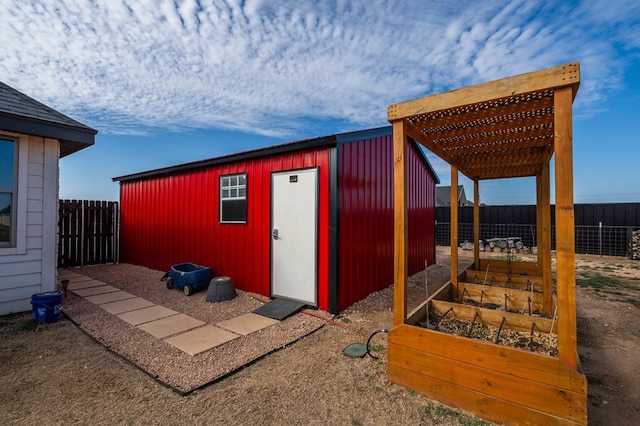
[[443, 195], [21, 114], [306, 144], [499, 129]]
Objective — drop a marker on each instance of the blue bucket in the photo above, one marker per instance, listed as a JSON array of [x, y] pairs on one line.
[[47, 306]]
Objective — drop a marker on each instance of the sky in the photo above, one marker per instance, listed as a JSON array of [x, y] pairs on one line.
[[167, 82]]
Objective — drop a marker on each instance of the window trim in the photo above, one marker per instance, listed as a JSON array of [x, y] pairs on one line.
[[230, 188], [20, 243], [13, 191]]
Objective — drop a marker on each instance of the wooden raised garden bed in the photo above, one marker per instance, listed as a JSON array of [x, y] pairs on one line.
[[495, 340]]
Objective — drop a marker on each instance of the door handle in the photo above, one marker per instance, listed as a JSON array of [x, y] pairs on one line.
[[274, 233]]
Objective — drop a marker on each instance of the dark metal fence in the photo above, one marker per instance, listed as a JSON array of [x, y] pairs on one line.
[[87, 233], [598, 240], [613, 214], [603, 229]]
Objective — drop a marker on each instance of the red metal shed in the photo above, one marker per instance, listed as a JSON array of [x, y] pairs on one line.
[[310, 220]]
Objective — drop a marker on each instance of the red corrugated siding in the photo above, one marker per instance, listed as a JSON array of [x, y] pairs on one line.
[[421, 214], [174, 218], [366, 217]]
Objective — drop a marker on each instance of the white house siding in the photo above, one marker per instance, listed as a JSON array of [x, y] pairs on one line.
[[30, 266]]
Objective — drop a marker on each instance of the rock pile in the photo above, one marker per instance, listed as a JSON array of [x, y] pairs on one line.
[[634, 245], [501, 245]]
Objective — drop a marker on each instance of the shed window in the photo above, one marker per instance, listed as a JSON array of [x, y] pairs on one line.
[[7, 191], [233, 198]]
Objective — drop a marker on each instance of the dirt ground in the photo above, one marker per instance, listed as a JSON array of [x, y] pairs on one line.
[[57, 374]]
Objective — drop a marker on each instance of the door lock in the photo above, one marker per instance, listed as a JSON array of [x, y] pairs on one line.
[[274, 234]]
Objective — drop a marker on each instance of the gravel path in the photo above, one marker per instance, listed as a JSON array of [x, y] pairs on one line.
[[164, 362]]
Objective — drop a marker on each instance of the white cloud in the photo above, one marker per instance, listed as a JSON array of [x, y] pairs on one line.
[[274, 68]]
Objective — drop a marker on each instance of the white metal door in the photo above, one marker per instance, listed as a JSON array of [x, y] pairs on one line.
[[294, 200]]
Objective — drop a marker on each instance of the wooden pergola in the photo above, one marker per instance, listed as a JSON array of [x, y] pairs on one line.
[[507, 128]]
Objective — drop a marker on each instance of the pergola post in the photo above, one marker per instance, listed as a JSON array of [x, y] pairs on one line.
[[543, 233], [453, 206], [476, 225], [565, 232], [401, 265]]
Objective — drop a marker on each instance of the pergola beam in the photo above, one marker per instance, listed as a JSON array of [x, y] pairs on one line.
[[414, 133], [550, 78]]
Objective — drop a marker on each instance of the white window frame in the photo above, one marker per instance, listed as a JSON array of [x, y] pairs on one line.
[[233, 188], [13, 191]]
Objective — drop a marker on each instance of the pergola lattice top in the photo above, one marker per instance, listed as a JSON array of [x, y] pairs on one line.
[[500, 129]]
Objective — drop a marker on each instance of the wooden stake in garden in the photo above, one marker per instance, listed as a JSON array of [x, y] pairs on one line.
[[426, 289]]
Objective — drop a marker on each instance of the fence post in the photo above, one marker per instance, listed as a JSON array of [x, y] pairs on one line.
[[114, 231], [600, 238], [81, 233]]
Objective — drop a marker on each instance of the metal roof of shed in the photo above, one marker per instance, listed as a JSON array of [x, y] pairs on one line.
[[499, 129], [312, 143], [21, 114]]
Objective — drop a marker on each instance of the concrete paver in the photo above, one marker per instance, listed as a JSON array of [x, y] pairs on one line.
[[247, 324], [169, 326], [100, 299], [91, 291], [126, 305], [79, 285], [201, 339], [149, 314]]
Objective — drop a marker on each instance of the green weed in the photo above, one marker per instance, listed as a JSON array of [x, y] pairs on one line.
[[376, 347], [592, 380], [345, 320], [441, 414], [594, 400], [634, 302], [29, 325], [597, 281]]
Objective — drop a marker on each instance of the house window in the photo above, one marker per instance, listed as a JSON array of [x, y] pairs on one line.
[[233, 198], [7, 191]]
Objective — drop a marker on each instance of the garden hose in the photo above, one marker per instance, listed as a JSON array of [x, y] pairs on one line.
[[384, 330]]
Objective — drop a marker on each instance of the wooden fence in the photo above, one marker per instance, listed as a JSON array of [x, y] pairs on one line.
[[87, 233]]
